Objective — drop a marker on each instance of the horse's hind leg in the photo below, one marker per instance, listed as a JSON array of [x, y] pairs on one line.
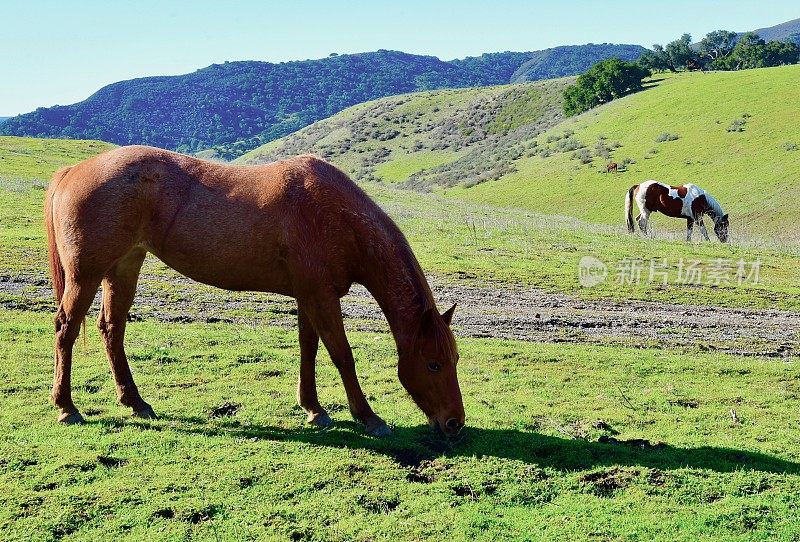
[[307, 382], [642, 220], [77, 298], [119, 288], [689, 228]]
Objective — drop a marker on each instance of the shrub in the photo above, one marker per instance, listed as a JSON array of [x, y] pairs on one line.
[[570, 144], [789, 146], [602, 150], [666, 137], [584, 155], [737, 126]]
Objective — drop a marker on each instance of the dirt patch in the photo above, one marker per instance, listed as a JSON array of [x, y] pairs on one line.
[[605, 483], [484, 311], [226, 409]]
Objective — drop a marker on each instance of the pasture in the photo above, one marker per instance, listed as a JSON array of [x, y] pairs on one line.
[[567, 438]]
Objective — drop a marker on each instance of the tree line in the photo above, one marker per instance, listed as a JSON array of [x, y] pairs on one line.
[[719, 50]]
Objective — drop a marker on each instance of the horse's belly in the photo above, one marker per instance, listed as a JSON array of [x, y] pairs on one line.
[[232, 262]]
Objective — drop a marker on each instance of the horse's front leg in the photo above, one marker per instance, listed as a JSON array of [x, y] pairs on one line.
[[703, 229], [325, 314], [307, 382], [689, 228]]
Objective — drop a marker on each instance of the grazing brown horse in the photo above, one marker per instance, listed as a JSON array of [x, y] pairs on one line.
[[298, 227], [687, 201], [611, 167]]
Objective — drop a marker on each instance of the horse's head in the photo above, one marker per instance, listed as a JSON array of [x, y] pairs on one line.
[[721, 226], [427, 371]]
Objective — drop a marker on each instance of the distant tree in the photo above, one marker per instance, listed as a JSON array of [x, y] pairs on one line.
[[603, 82], [655, 60], [679, 52], [750, 52], [779, 53], [717, 45]]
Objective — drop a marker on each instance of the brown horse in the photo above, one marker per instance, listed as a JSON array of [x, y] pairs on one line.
[[611, 167], [298, 227]]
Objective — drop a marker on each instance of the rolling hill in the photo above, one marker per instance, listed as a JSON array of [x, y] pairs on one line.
[[736, 137], [236, 106], [790, 30], [403, 138]]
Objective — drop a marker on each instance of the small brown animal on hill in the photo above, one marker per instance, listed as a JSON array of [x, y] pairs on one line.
[[297, 227], [611, 167]]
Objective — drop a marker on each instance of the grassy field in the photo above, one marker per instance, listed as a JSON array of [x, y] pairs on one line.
[[564, 441]]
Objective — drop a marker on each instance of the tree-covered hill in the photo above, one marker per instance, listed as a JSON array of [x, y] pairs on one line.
[[237, 106], [571, 60], [790, 30]]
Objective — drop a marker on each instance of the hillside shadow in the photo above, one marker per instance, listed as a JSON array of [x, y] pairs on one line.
[[409, 446]]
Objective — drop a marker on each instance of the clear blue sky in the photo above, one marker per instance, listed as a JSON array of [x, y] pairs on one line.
[[59, 52]]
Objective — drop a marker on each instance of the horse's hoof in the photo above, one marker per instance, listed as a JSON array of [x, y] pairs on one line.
[[379, 430], [146, 413], [320, 420], [70, 418]]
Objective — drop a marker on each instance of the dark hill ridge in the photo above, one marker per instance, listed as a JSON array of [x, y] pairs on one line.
[[561, 61], [237, 106], [790, 30]]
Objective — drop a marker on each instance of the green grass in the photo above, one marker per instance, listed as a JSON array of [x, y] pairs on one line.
[[535, 463], [403, 167], [750, 172], [31, 158], [564, 441]]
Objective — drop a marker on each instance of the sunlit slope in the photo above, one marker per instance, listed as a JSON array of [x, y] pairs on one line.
[[754, 172], [438, 138], [31, 158]]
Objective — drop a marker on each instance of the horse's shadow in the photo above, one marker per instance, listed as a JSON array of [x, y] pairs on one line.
[[409, 446]]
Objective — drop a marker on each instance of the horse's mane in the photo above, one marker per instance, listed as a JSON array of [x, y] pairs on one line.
[[387, 238], [714, 204]]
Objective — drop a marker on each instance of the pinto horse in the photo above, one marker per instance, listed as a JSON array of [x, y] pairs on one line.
[[687, 201], [298, 227]]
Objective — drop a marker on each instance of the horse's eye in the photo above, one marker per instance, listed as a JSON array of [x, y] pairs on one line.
[[433, 366]]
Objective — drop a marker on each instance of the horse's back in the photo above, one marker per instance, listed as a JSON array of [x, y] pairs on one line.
[[237, 227]]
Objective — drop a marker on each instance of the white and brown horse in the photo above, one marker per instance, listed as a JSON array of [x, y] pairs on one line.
[[686, 201]]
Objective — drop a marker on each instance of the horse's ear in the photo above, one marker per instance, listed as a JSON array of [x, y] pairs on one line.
[[448, 314], [725, 216]]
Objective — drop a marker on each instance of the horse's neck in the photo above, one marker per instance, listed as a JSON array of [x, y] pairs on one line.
[[398, 285], [714, 208]]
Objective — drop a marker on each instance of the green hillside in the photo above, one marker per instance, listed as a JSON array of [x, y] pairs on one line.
[[510, 146], [31, 158], [736, 137], [472, 132]]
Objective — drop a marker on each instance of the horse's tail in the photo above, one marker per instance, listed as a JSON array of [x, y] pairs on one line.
[[56, 269], [629, 208]]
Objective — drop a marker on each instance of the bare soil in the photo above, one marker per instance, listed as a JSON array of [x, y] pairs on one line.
[[484, 310]]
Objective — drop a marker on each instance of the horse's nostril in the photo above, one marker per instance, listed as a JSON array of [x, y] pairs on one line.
[[453, 424]]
